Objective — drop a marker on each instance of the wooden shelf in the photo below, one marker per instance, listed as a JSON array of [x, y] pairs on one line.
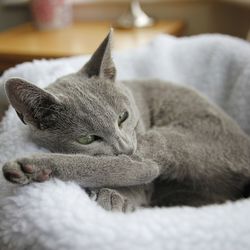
[[25, 43]]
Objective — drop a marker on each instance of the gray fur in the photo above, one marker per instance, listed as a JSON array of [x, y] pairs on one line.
[[175, 148]]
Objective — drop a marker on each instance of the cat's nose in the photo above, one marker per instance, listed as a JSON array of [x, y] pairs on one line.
[[124, 147]]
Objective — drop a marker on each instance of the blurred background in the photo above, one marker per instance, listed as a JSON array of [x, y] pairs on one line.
[[201, 16], [35, 29]]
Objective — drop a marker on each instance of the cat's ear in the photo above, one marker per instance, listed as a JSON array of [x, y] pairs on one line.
[[32, 104], [101, 63]]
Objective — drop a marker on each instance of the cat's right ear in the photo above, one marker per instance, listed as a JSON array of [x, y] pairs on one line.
[[32, 104], [101, 63]]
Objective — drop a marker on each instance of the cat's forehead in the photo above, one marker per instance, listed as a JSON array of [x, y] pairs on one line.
[[76, 83], [90, 104], [82, 91]]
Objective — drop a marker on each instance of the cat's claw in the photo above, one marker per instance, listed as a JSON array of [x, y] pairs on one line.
[[21, 172]]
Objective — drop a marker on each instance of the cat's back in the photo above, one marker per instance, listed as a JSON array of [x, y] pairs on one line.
[[155, 89], [176, 105], [186, 112], [170, 99]]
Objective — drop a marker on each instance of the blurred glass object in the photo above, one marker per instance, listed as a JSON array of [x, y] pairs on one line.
[[134, 18], [51, 14]]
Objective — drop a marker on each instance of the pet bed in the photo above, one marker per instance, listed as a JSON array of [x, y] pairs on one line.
[[59, 216]]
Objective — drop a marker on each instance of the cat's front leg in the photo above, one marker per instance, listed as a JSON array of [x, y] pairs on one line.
[[88, 171], [26, 170]]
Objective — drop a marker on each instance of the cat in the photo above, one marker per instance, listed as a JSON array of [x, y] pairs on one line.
[[129, 143]]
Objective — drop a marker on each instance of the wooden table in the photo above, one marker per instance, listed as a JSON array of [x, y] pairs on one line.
[[25, 43]]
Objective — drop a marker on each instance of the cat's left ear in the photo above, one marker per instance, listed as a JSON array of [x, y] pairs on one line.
[[33, 105], [101, 63]]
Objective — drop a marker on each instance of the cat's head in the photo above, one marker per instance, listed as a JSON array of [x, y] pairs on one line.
[[86, 112]]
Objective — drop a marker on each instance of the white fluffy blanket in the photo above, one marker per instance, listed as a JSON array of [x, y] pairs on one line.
[[60, 216]]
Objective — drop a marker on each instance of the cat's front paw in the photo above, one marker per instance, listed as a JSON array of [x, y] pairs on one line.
[[112, 200], [24, 171]]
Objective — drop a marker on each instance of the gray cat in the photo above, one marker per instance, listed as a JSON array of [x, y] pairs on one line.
[[132, 143]]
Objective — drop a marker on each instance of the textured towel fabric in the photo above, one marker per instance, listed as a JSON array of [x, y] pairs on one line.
[[56, 215]]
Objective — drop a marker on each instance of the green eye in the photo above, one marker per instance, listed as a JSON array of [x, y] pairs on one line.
[[87, 139], [122, 118]]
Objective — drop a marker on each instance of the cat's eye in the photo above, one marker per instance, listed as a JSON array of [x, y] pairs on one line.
[[122, 117], [87, 139]]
